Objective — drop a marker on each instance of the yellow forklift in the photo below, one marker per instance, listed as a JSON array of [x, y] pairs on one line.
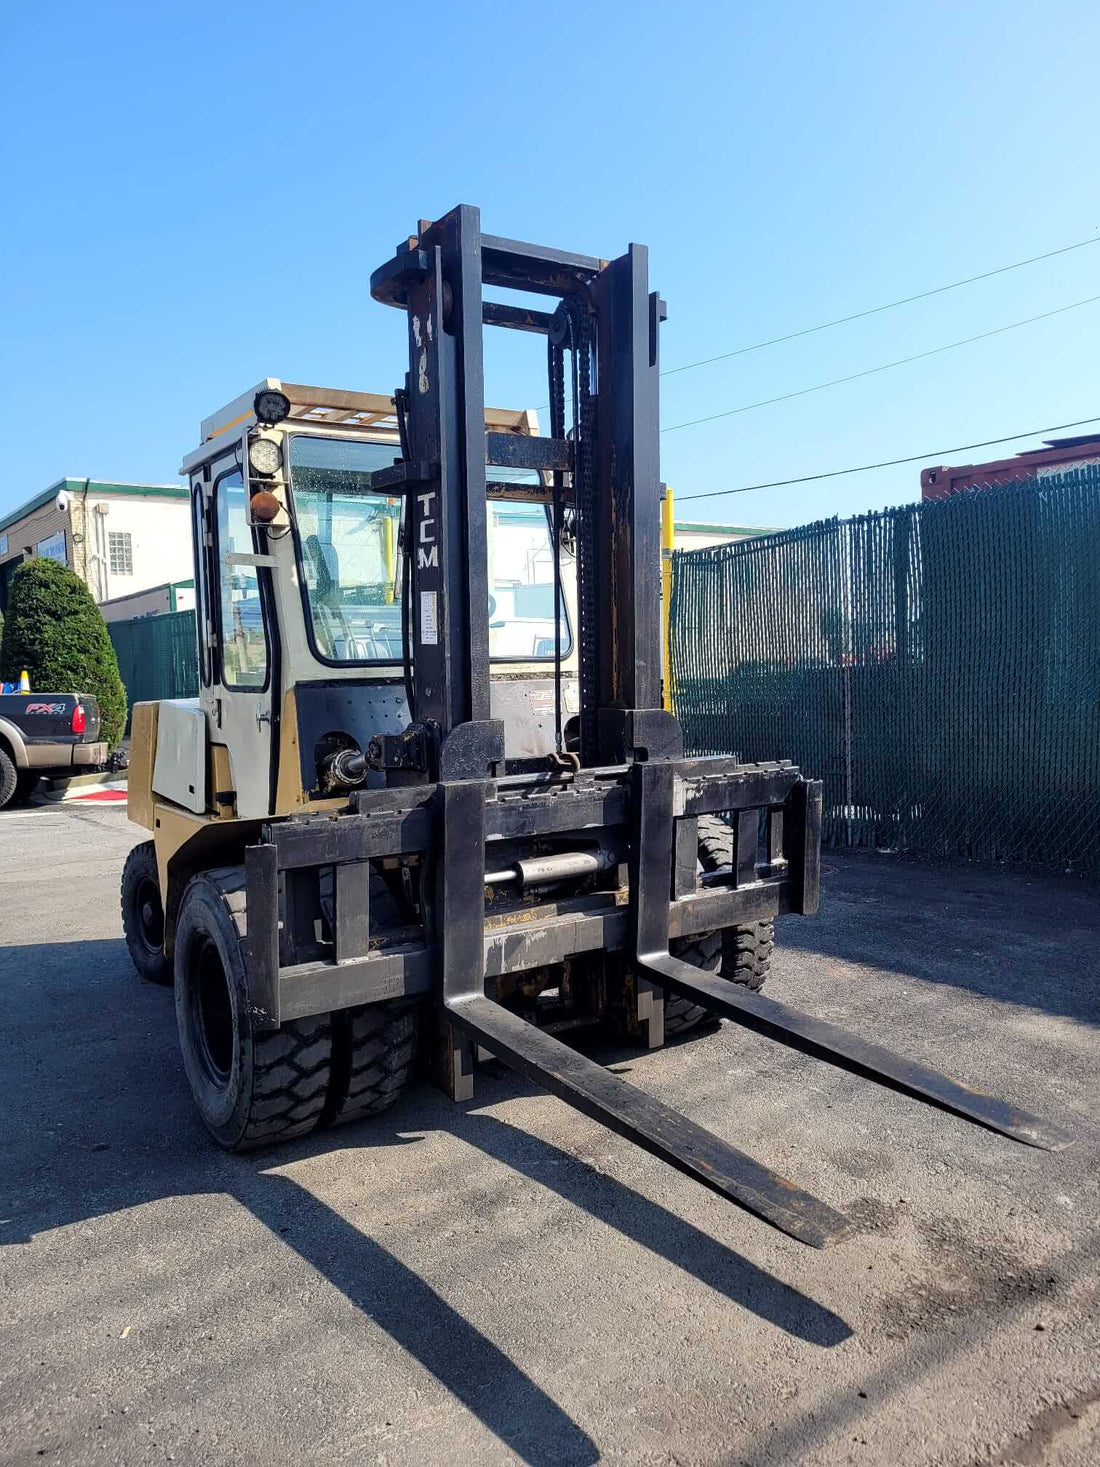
[[428, 800]]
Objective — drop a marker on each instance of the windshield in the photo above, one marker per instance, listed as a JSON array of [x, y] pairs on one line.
[[521, 583], [351, 560], [347, 541]]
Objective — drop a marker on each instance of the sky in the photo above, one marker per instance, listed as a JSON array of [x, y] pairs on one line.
[[194, 197]]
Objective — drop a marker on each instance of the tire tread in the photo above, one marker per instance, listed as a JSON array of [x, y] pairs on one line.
[[291, 1065]]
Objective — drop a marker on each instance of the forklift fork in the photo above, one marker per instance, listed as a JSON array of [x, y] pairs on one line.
[[653, 849], [471, 1019]]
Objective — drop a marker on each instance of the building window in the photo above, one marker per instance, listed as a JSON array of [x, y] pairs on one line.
[[121, 552]]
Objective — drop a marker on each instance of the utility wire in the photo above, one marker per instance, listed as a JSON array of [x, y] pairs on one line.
[[883, 367], [889, 463], [871, 311], [875, 310]]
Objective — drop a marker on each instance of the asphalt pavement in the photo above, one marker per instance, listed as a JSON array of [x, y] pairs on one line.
[[506, 1281]]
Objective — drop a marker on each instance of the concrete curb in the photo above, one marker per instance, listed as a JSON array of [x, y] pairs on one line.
[[82, 786]]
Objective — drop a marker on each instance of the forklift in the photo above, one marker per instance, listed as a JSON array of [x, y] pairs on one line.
[[428, 806]]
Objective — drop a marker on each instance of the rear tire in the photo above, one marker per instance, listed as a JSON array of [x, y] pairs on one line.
[[9, 778], [374, 1046], [704, 950], [252, 1087], [741, 954], [143, 914]]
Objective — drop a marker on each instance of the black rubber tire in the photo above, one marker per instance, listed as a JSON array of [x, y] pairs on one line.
[[741, 954], [704, 950], [9, 778], [26, 782], [252, 1087], [143, 914], [373, 1048]]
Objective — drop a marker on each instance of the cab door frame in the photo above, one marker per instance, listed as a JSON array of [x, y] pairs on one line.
[[240, 715]]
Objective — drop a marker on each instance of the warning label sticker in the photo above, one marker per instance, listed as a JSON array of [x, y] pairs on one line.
[[429, 619]]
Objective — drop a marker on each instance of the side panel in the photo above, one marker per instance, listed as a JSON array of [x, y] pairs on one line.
[[358, 710], [14, 739], [525, 705], [179, 770], [143, 743]]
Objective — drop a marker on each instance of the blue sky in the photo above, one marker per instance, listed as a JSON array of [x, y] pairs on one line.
[[195, 195]]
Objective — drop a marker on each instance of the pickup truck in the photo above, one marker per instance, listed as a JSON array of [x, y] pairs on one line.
[[46, 734]]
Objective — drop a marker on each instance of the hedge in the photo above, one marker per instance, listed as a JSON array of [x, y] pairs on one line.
[[55, 630]]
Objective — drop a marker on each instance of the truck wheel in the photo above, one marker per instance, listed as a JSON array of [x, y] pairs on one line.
[[143, 915], [252, 1086], [9, 778], [373, 1047], [26, 782], [743, 954]]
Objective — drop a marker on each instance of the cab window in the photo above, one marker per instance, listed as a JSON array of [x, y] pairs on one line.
[[202, 605], [241, 635], [349, 562], [349, 557]]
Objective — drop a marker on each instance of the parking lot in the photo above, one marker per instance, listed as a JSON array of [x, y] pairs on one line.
[[505, 1281]]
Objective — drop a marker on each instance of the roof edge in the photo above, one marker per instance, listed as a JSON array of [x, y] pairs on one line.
[[75, 485]]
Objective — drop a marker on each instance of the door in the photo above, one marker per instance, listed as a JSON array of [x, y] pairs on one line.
[[242, 705]]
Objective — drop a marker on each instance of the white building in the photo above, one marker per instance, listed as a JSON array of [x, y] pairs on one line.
[[119, 538], [696, 535], [156, 601]]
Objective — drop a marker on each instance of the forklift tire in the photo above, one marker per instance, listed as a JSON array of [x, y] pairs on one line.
[[143, 915], [742, 954], [9, 778], [373, 1049], [253, 1087]]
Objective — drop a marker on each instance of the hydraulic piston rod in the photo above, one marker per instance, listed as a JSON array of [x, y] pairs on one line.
[[541, 870]]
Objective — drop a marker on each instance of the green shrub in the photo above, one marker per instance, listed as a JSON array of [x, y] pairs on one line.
[[56, 631]]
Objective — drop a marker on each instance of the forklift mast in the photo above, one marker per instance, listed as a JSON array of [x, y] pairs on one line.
[[605, 476]]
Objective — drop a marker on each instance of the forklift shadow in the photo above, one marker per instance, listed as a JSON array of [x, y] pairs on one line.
[[464, 1360], [101, 1123], [654, 1228], [603, 1197]]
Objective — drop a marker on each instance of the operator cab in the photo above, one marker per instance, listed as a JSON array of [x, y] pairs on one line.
[[304, 604]]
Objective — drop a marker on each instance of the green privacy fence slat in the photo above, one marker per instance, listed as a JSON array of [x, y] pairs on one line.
[[156, 656], [937, 666]]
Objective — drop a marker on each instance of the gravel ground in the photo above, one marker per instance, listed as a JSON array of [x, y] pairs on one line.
[[506, 1281]]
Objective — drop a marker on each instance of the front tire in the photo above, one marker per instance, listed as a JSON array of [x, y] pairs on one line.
[[252, 1087]]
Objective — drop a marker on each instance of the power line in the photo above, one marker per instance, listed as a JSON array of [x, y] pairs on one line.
[[875, 310], [871, 311], [889, 463], [883, 367]]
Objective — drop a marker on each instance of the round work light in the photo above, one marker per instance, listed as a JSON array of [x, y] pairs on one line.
[[271, 407], [265, 456]]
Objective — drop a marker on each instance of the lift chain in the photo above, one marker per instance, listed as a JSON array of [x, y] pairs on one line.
[[584, 494]]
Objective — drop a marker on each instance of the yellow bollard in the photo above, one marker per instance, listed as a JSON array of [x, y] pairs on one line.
[[667, 534]]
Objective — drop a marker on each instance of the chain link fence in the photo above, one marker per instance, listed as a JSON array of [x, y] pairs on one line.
[[156, 657], [937, 666]]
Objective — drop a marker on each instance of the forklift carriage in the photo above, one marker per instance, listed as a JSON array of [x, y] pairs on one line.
[[382, 825]]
